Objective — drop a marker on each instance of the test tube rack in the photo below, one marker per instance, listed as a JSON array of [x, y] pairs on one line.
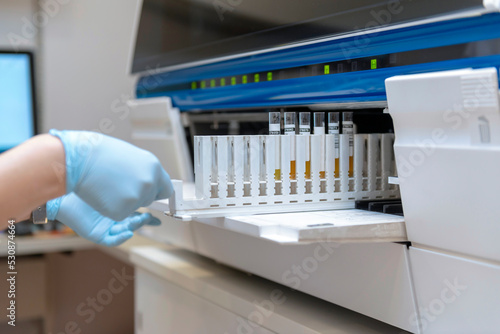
[[237, 174]]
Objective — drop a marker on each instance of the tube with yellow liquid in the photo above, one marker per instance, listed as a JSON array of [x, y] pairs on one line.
[[334, 129], [348, 129], [290, 131], [305, 130], [275, 130], [319, 129]]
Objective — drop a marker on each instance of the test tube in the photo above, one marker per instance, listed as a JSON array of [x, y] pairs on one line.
[[275, 130], [215, 168], [246, 166], [230, 160], [333, 129], [319, 129], [290, 131], [348, 129], [305, 130]]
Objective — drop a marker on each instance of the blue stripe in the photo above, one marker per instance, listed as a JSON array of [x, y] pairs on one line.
[[349, 87]]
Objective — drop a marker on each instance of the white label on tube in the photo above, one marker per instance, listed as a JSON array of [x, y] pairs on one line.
[[277, 154], [290, 131], [274, 129], [333, 129], [305, 130], [319, 130], [348, 129]]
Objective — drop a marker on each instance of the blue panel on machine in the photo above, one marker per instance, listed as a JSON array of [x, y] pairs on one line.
[[345, 70]]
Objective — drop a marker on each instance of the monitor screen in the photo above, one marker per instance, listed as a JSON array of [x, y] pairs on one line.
[[175, 32], [17, 122]]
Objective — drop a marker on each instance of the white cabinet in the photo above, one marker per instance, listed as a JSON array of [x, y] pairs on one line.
[[180, 292], [163, 307], [369, 278], [454, 294]]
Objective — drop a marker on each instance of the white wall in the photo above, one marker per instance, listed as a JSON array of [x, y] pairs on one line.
[[84, 76], [12, 24]]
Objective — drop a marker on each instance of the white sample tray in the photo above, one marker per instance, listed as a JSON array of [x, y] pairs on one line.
[[350, 225], [340, 225]]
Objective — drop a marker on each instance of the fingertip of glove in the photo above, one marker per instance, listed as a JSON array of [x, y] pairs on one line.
[[154, 222], [144, 217], [126, 235], [139, 220], [166, 191], [166, 187], [116, 240]]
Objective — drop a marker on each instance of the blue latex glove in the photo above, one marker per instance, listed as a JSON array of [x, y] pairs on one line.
[[112, 176], [90, 224]]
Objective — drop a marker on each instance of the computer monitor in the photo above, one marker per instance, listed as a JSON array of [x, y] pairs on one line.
[[17, 99]]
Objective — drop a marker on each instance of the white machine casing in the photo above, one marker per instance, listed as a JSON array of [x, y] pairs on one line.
[[304, 258], [447, 147], [157, 127]]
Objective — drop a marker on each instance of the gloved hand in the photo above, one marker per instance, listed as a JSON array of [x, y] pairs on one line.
[[112, 176], [90, 224]]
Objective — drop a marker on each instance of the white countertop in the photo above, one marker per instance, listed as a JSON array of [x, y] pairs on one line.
[[27, 245]]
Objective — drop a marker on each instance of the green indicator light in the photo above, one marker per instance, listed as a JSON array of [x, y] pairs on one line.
[[193, 85], [244, 79], [327, 69], [222, 82], [374, 64], [233, 81], [269, 76], [203, 84], [256, 78], [212, 83]]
